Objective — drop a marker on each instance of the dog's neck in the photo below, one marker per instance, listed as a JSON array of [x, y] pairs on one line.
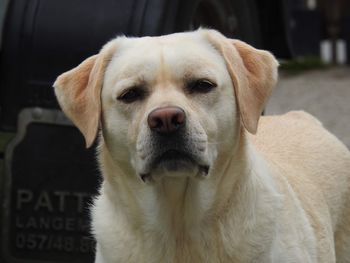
[[180, 198], [188, 206]]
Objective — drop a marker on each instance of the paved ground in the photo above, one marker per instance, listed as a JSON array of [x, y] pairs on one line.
[[323, 93]]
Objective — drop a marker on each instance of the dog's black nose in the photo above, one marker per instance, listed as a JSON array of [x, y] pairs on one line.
[[166, 120]]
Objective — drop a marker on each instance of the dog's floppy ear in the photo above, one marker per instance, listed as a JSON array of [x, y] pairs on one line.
[[253, 73], [78, 92]]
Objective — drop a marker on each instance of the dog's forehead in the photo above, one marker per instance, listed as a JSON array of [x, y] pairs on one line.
[[179, 54]]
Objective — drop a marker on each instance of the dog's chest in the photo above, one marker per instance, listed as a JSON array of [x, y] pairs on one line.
[[155, 248], [163, 236]]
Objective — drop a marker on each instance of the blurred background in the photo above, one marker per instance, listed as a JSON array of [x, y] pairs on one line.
[[48, 178]]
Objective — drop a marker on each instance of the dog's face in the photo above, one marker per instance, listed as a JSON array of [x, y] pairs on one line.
[[166, 103], [169, 106]]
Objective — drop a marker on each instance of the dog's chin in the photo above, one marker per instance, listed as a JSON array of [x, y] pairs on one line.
[[176, 165]]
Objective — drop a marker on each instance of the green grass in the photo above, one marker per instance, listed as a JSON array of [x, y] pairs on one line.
[[302, 64]]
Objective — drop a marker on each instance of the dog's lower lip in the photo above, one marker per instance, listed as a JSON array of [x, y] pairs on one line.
[[204, 169], [173, 155], [173, 160], [144, 177]]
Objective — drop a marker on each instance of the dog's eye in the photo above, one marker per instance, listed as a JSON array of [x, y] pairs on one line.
[[201, 86], [131, 95]]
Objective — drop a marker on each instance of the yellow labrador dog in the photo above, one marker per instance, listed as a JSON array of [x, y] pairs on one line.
[[190, 172]]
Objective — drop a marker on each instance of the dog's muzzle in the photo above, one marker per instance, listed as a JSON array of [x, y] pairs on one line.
[[172, 148]]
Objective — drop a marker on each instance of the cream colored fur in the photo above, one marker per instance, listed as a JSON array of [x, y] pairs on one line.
[[280, 195]]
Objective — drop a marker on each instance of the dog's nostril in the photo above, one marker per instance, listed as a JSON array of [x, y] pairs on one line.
[[178, 119], [166, 119], [157, 123]]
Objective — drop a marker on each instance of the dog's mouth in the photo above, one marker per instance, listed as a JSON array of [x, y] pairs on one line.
[[174, 162]]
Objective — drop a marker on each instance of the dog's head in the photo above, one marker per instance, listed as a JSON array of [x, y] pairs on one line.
[[168, 106]]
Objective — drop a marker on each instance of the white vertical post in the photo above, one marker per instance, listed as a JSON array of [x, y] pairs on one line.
[[326, 51], [341, 52], [311, 4]]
